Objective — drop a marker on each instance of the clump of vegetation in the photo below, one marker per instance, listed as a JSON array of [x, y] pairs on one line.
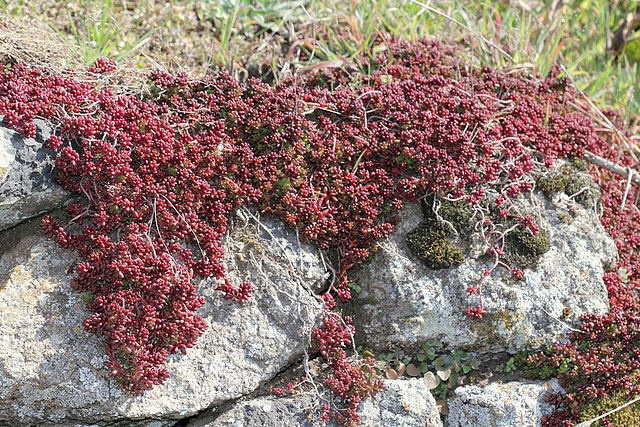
[[626, 417], [430, 244], [441, 372], [453, 217], [336, 155], [577, 186], [430, 240], [525, 249], [599, 362]]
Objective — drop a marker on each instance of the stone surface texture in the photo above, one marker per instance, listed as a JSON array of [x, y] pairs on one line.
[[404, 402], [511, 404], [403, 303], [27, 186], [52, 372], [51, 369]]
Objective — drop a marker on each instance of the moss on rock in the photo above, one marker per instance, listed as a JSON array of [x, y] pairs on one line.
[[457, 214], [524, 249], [567, 179], [429, 240], [429, 243]]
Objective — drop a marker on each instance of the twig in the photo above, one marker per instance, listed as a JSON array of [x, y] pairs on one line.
[[612, 167], [435, 208], [558, 320], [626, 190], [591, 421]]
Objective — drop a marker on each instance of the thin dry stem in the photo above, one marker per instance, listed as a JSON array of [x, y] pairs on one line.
[[612, 167]]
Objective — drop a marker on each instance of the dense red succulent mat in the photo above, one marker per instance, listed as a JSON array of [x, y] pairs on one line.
[[335, 156], [603, 358]]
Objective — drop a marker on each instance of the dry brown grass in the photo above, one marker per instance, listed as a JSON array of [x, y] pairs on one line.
[[28, 40], [180, 36]]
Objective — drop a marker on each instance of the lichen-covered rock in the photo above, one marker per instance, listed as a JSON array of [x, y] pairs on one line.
[[27, 187], [404, 303], [265, 411], [511, 404], [404, 402], [51, 369]]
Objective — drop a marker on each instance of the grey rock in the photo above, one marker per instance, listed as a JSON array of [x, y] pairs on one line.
[[511, 404], [267, 411], [51, 369], [27, 186], [403, 403], [403, 303]]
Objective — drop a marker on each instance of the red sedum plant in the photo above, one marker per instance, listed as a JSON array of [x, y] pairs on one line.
[[603, 358], [336, 157]]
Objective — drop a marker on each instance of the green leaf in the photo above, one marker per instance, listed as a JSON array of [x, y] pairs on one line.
[[460, 354], [431, 353], [453, 379]]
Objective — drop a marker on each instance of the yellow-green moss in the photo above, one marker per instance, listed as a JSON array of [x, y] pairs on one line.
[[626, 417], [525, 249], [552, 183], [457, 214], [579, 164], [429, 240], [491, 323], [567, 179], [429, 243]]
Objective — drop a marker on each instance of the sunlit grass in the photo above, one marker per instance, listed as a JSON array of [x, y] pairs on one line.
[[575, 35], [199, 36]]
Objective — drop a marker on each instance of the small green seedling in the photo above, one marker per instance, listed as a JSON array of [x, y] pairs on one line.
[[440, 373], [509, 366]]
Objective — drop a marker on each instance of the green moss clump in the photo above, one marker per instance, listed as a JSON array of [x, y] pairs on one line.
[[567, 180], [579, 164], [525, 249], [429, 240], [429, 243], [457, 213], [626, 417], [587, 198], [552, 183]]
